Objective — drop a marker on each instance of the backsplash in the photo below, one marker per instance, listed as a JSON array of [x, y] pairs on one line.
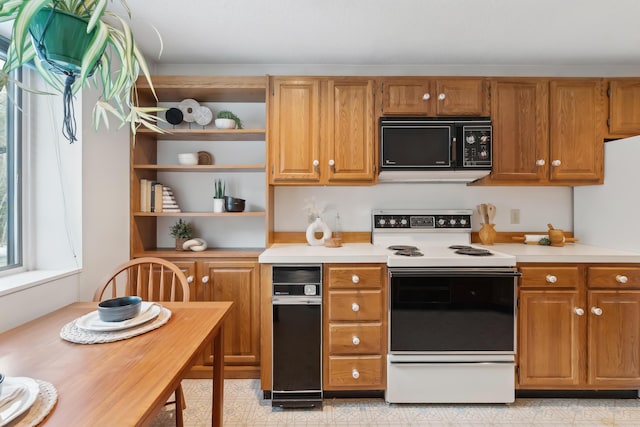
[[538, 205]]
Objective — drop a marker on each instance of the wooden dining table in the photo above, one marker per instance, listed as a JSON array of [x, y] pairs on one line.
[[121, 383]]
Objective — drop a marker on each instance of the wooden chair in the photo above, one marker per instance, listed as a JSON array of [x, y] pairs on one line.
[[153, 279]]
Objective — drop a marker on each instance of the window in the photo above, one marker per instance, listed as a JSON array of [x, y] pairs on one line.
[[10, 170]]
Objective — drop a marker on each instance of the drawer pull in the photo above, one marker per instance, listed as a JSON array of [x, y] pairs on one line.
[[426, 96], [442, 96], [355, 307], [578, 311], [355, 374], [190, 279], [551, 278], [355, 340], [355, 278], [621, 279], [597, 311], [205, 279], [540, 162], [556, 163]]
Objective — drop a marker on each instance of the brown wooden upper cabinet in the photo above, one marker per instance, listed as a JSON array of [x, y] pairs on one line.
[[434, 96], [547, 131], [321, 131], [624, 106]]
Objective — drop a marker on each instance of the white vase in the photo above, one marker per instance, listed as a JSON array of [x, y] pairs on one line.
[[218, 205], [317, 226]]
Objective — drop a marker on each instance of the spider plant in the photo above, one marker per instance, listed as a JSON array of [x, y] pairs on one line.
[[110, 59]]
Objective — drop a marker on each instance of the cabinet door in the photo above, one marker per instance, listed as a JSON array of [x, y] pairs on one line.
[[519, 113], [189, 270], [236, 281], [295, 130], [614, 338], [551, 331], [575, 130], [349, 135], [624, 106], [407, 96], [461, 97]]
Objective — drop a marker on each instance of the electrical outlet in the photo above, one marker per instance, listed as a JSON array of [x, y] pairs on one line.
[[515, 216]]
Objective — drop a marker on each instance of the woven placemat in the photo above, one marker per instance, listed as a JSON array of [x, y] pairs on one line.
[[73, 333], [46, 400]]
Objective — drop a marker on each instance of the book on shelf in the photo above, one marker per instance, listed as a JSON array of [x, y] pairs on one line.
[[157, 203], [143, 195]]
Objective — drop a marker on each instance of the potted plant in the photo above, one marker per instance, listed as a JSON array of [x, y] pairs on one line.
[[74, 40], [181, 231], [218, 195], [227, 120]]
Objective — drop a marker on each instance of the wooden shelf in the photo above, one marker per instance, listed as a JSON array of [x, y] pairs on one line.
[[207, 88], [198, 214], [203, 168], [207, 253], [206, 134]]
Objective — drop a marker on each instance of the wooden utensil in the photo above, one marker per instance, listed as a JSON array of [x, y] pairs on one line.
[[491, 212]]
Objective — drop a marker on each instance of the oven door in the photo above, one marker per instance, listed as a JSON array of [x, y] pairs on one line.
[[452, 311]]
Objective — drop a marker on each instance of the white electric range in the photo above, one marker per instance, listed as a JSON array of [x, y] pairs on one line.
[[452, 310]]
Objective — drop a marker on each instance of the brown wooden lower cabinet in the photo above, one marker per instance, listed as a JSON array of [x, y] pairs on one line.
[[579, 327], [237, 280]]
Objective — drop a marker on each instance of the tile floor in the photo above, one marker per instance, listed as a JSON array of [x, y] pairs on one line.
[[244, 406]]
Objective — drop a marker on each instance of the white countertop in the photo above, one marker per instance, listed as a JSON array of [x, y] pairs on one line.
[[570, 252], [303, 253], [366, 252]]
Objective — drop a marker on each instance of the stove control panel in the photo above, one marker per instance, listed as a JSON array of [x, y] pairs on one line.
[[422, 222]]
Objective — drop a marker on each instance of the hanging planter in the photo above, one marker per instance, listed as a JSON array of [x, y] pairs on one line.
[[71, 41]]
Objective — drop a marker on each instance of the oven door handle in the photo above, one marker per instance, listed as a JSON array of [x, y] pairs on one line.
[[453, 272]]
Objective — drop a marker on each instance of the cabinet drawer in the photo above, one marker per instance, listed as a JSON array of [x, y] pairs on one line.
[[356, 372], [550, 277], [355, 276], [355, 338], [613, 277], [355, 305]]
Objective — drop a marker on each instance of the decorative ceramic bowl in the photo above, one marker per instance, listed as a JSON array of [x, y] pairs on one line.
[[119, 309], [225, 123], [233, 204], [188, 158]]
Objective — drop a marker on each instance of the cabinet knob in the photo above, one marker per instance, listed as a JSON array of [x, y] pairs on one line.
[[355, 340], [355, 307], [190, 279], [556, 163], [621, 279], [355, 374], [355, 278], [540, 162], [332, 163], [441, 96], [597, 311], [316, 163], [551, 278], [205, 279], [426, 96], [578, 311]]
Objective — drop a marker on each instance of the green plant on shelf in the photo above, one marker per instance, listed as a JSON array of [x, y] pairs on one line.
[[219, 189], [229, 115], [181, 230]]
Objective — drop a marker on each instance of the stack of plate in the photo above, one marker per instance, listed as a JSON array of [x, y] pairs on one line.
[[17, 396]]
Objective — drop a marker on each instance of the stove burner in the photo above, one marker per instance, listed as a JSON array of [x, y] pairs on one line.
[[474, 252], [402, 248], [409, 252], [460, 247]]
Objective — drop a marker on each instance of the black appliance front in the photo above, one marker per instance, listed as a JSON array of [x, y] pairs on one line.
[[410, 143], [452, 310], [297, 355]]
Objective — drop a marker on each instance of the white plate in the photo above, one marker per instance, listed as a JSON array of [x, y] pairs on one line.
[[91, 321], [21, 403]]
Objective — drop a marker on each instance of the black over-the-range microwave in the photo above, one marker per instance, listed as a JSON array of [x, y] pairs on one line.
[[428, 143]]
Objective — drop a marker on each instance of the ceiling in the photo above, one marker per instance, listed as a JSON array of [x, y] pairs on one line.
[[389, 32]]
